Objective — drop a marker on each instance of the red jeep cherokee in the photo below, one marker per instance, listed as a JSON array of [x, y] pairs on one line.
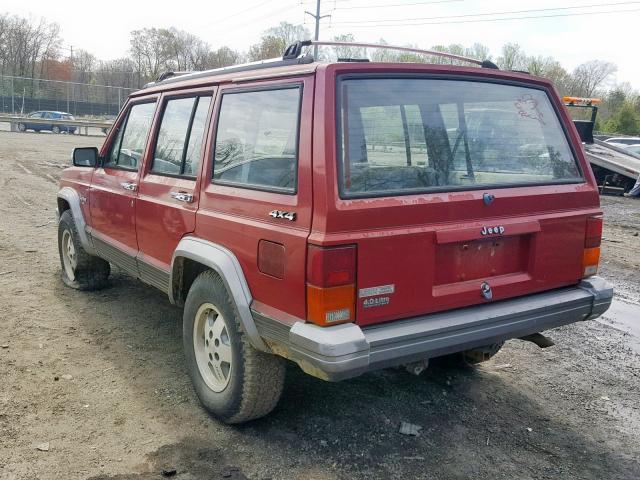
[[348, 216]]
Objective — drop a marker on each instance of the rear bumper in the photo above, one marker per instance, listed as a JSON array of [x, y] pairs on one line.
[[344, 351]]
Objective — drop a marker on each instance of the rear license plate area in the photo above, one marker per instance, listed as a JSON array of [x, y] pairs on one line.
[[481, 259]]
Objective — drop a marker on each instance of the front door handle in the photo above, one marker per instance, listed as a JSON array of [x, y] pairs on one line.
[[182, 196], [132, 187]]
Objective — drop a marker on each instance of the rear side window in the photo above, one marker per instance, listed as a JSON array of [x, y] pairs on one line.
[[401, 136], [178, 148], [128, 146], [257, 139]]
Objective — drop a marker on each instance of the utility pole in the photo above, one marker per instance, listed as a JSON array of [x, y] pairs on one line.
[[70, 77], [317, 18]]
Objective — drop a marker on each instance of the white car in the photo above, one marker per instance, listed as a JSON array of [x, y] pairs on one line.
[[623, 141], [635, 148]]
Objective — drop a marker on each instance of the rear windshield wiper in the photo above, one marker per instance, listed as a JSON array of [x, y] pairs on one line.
[[462, 135]]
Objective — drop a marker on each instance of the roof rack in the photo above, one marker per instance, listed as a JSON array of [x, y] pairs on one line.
[[293, 56], [169, 74], [170, 77], [295, 50]]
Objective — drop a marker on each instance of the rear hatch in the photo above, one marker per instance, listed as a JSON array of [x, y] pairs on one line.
[[455, 192]]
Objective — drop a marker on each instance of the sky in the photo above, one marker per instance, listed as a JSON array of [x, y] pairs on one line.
[[572, 31]]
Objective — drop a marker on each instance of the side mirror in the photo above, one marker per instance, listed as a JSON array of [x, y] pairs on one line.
[[85, 157]]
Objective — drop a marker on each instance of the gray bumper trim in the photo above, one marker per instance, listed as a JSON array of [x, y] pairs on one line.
[[344, 351]]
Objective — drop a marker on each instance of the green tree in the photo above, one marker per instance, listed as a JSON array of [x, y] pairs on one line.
[[625, 120]]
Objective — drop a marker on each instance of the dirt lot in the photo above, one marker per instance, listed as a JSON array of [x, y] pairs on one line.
[[99, 377]]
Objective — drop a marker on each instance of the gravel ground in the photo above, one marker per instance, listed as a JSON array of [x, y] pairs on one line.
[[97, 380]]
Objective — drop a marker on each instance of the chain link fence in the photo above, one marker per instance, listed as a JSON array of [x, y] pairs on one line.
[[21, 95]]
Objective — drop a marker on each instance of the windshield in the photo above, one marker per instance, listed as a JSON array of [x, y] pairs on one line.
[[399, 136]]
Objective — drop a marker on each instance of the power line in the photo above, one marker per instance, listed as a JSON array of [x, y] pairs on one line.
[[496, 19], [258, 5], [261, 18], [512, 12], [396, 5], [252, 7]]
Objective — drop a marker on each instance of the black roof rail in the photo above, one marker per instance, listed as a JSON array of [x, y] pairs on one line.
[[355, 60], [169, 74], [489, 64], [295, 49]]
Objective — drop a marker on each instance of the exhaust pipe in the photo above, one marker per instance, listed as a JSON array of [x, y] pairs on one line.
[[539, 339], [416, 368]]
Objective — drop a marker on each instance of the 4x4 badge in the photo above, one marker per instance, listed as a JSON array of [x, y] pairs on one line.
[[291, 216], [485, 289]]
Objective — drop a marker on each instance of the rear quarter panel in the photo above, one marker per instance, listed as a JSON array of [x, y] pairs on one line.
[[238, 218]]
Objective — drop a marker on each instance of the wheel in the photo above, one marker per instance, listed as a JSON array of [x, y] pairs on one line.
[[55, 129], [481, 354], [22, 127], [79, 269], [233, 381]]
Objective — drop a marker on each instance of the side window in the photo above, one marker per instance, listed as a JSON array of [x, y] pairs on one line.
[[257, 139], [178, 148], [194, 147], [128, 145], [112, 160]]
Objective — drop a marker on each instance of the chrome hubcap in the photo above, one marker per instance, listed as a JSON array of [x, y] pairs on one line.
[[69, 255], [212, 347]]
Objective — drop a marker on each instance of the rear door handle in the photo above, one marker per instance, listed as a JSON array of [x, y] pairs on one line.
[[132, 187], [182, 196]]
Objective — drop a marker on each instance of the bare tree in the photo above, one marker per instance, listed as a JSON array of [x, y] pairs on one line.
[[478, 51], [84, 65], [150, 53], [588, 77], [512, 57], [347, 51], [25, 45], [288, 32], [276, 39], [222, 57]]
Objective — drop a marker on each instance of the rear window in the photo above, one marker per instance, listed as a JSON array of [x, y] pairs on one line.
[[402, 136]]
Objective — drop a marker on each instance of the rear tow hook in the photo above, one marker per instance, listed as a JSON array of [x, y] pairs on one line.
[[539, 339]]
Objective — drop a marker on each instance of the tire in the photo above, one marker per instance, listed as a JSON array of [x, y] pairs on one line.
[[79, 269], [248, 385], [481, 354], [55, 129], [22, 127]]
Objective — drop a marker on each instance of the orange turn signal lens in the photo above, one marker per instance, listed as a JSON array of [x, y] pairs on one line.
[[590, 260], [330, 306]]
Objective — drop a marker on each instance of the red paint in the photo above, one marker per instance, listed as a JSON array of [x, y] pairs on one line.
[[414, 242]]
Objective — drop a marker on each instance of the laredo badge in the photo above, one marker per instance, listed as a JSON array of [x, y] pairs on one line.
[[375, 302]]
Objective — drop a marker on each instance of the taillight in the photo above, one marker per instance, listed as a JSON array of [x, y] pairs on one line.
[[331, 284], [592, 240]]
